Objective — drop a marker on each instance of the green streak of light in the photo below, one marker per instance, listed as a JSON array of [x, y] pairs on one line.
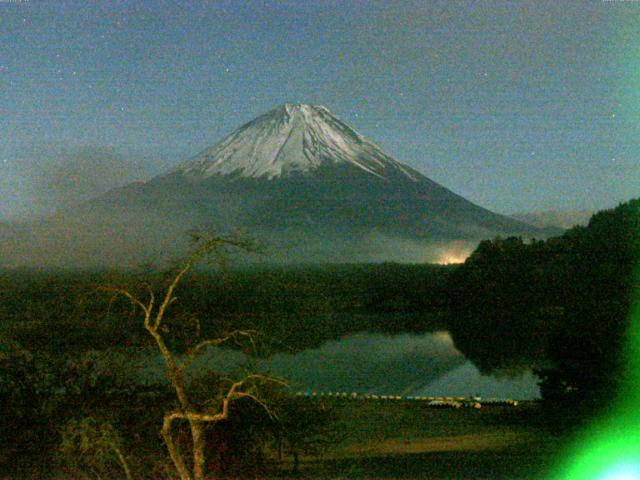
[[610, 448]]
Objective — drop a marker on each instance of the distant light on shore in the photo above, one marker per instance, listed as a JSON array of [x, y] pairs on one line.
[[449, 259], [454, 252]]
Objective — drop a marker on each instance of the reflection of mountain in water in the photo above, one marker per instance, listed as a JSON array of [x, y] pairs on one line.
[[372, 363], [406, 364], [467, 379]]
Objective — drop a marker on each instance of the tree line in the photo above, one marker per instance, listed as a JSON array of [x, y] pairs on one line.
[[559, 306]]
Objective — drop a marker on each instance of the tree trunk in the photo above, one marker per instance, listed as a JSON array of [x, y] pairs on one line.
[[123, 463], [296, 463], [174, 453], [198, 437]]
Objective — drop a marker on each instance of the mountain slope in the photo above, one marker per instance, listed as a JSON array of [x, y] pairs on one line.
[[297, 178]]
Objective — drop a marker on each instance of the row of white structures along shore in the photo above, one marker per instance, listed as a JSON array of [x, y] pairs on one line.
[[472, 401]]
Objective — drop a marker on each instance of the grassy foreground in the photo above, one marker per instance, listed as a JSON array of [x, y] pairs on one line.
[[409, 440]]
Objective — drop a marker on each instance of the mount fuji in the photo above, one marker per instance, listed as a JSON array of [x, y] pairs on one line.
[[299, 179]]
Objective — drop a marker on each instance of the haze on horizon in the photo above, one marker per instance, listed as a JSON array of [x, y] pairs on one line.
[[516, 107]]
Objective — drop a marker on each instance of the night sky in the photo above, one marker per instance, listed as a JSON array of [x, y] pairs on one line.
[[518, 106]]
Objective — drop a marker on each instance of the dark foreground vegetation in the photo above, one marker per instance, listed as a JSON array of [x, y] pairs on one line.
[[72, 406], [69, 383]]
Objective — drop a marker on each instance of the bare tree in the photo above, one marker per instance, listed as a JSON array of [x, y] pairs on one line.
[[94, 441], [196, 417]]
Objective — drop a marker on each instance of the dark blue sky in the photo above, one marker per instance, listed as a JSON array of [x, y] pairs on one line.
[[524, 105]]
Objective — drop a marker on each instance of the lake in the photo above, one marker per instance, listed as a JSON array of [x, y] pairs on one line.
[[426, 364]]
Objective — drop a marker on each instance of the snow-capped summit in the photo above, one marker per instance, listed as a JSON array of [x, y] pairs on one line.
[[292, 139]]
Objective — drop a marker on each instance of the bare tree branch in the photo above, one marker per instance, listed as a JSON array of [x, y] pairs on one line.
[[219, 248], [168, 298], [146, 308], [215, 342]]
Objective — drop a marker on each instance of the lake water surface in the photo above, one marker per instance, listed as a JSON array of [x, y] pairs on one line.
[[425, 364]]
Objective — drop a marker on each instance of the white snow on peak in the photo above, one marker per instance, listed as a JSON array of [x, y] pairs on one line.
[[295, 138]]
